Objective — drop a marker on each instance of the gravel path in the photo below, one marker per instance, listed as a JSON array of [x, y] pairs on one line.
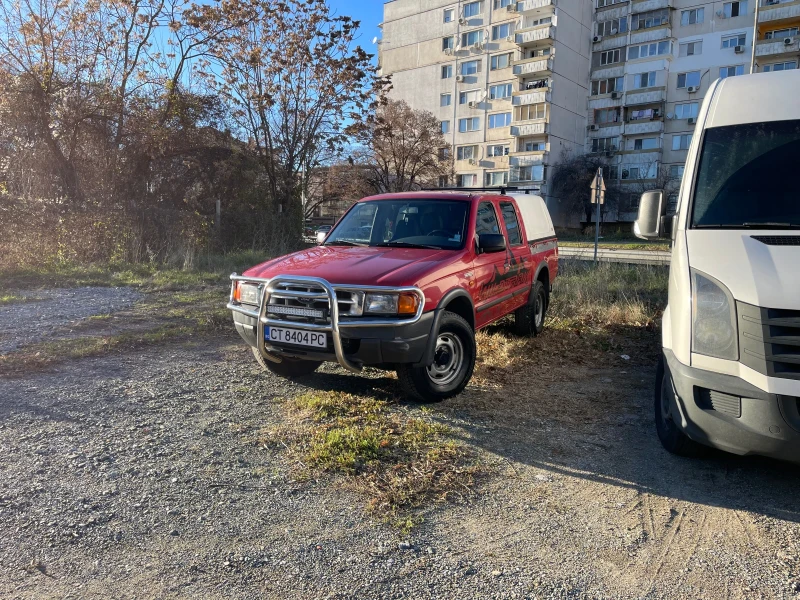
[[55, 310], [139, 476]]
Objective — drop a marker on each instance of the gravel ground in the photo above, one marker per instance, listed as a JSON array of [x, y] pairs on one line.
[[139, 476], [54, 310]]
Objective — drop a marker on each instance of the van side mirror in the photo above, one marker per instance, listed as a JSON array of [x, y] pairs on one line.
[[491, 242], [650, 224]]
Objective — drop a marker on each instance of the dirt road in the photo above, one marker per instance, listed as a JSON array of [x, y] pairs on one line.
[[138, 475]]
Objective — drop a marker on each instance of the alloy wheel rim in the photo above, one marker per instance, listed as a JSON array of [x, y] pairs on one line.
[[447, 359]]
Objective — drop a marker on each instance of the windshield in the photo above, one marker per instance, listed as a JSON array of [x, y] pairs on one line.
[[439, 224], [746, 177]]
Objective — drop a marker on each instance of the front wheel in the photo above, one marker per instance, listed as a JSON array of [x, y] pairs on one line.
[[452, 366], [288, 367], [671, 437]]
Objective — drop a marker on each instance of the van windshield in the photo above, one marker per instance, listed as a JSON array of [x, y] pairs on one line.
[[747, 177], [437, 224]]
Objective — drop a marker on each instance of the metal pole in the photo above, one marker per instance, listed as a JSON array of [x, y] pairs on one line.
[[597, 216], [755, 38]]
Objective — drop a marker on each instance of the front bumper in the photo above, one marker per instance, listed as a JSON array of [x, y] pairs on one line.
[[767, 424], [356, 342]]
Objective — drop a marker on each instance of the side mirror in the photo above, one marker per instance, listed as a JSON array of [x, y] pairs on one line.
[[650, 223], [491, 242], [321, 236]]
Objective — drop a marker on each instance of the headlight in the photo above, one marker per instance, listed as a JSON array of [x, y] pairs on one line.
[[246, 293], [391, 304], [713, 318]]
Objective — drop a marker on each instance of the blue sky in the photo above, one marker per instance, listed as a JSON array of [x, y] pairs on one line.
[[369, 12]]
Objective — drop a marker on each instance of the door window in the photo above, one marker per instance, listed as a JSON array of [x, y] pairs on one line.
[[511, 223], [486, 221]]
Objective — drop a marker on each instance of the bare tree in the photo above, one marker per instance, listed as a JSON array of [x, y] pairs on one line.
[[571, 181]]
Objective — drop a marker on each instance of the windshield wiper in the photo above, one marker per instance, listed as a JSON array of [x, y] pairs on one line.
[[343, 243], [771, 225], [407, 245]]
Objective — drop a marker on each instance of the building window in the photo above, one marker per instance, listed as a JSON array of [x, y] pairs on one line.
[[606, 115], [652, 49], [539, 52], [511, 222], [780, 33], [639, 172], [469, 124], [537, 84], [448, 43], [444, 153], [644, 80], [466, 152], [499, 92], [690, 49], [682, 141], [467, 180], [690, 79], [610, 57], [534, 147], [449, 15], [734, 9], [731, 41], [447, 71], [642, 114], [602, 3], [731, 71], [443, 181], [503, 3], [497, 178], [653, 18], [472, 9], [782, 66], [470, 67], [606, 86], [529, 112], [605, 144], [687, 110], [497, 150], [499, 120], [676, 171], [500, 32], [613, 26], [645, 144], [692, 17], [445, 99], [472, 37], [500, 61], [445, 126], [468, 96], [530, 173]]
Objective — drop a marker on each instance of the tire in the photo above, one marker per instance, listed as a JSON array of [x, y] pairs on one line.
[[454, 361], [671, 437], [529, 319], [288, 367]]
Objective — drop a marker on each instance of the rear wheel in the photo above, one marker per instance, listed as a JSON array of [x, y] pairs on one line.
[[452, 366], [529, 319], [288, 367], [672, 438]]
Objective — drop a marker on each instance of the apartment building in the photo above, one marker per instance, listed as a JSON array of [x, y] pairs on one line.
[[507, 80]]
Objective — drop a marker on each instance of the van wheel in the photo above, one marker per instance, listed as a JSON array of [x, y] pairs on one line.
[[672, 438], [288, 367], [529, 319], [453, 363]]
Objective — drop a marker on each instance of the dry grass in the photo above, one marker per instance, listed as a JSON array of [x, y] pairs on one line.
[[400, 462]]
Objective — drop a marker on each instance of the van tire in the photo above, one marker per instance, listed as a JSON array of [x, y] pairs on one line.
[[455, 341], [671, 437], [529, 319], [288, 367]]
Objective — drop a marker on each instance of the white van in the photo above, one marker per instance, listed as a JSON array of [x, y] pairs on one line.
[[730, 372]]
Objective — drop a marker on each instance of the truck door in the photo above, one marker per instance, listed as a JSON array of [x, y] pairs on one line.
[[518, 265], [488, 268]]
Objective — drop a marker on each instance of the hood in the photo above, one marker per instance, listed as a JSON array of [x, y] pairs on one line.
[[756, 273], [358, 265]]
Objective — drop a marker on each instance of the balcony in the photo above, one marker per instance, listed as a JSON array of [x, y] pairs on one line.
[[778, 46], [524, 128], [526, 159], [648, 5], [654, 34], [530, 97], [532, 37], [645, 97], [605, 101], [771, 11], [535, 6], [637, 127], [533, 66]]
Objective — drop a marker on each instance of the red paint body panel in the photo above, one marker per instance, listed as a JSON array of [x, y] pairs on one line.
[[487, 277]]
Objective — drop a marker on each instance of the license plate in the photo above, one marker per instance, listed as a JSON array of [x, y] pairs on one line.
[[298, 337]]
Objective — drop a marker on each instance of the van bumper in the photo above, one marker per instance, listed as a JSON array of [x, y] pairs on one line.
[[746, 420]]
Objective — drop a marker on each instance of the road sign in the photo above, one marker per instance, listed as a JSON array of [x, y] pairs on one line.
[[598, 188]]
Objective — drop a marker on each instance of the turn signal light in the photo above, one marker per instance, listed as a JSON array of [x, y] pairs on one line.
[[407, 304], [237, 291]]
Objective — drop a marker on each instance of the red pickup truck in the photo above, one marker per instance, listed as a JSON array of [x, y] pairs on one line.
[[402, 282]]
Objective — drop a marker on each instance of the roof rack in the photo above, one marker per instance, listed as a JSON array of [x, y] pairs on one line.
[[501, 188]]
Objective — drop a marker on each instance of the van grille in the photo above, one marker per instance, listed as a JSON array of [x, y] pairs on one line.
[[718, 401], [769, 340], [778, 240], [294, 295]]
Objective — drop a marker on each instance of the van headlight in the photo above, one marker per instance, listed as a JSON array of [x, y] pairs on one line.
[[713, 318]]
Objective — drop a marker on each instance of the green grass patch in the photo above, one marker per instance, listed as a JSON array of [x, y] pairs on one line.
[[6, 299], [399, 461], [639, 245]]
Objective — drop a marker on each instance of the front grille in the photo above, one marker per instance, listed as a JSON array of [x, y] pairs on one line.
[[778, 240], [301, 297], [724, 403], [769, 340]]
